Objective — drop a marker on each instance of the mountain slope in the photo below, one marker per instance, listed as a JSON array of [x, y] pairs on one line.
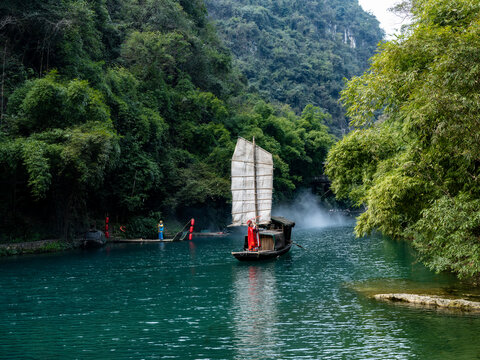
[[298, 52]]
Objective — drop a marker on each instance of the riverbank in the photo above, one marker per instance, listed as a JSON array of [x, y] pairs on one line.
[[53, 245], [443, 293], [36, 247]]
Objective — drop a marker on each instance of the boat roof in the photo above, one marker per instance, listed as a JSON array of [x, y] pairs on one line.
[[282, 221], [279, 220]]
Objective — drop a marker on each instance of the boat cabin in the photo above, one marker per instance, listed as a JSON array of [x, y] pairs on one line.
[[275, 235]]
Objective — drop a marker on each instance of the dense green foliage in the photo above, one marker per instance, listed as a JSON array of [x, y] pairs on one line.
[[298, 52], [417, 169], [130, 108]]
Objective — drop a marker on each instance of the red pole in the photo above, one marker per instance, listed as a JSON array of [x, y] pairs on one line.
[[107, 235], [190, 236]]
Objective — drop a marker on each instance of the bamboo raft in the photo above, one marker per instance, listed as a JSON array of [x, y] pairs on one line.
[[140, 240], [182, 235]]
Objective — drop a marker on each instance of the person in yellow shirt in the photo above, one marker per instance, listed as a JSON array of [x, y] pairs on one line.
[[160, 230]]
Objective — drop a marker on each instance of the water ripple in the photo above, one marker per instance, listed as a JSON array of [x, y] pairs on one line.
[[194, 301]]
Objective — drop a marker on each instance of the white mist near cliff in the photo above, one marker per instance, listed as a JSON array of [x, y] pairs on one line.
[[307, 212]]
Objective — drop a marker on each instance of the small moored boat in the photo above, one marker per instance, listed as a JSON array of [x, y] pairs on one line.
[[252, 186], [93, 239]]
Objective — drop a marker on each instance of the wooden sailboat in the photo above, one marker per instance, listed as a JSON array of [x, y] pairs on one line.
[[252, 187]]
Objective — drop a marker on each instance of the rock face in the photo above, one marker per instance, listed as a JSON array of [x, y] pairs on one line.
[[436, 301]]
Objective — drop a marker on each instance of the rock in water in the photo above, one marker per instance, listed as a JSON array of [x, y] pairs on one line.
[[425, 300]]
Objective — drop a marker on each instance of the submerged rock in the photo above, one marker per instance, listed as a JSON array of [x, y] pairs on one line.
[[426, 300]]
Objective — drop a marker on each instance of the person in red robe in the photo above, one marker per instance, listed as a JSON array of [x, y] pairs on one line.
[[252, 236]]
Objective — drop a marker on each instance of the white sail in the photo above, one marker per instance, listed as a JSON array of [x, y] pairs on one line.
[[245, 205]]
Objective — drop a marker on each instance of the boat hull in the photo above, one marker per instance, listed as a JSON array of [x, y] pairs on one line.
[[93, 244], [275, 240], [260, 255]]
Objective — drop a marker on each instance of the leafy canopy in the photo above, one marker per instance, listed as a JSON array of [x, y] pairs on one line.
[[130, 108], [417, 168]]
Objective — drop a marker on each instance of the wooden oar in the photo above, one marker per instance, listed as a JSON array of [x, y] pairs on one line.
[[178, 236], [300, 246]]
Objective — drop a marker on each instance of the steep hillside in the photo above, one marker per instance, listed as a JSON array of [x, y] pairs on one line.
[[298, 52], [129, 108]]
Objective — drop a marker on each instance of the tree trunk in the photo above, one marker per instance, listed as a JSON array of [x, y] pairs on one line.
[[2, 105]]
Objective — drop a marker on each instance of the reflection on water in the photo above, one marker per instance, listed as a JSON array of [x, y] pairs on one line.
[[255, 312]]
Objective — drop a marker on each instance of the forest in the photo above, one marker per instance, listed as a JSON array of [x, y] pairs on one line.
[[131, 108], [413, 159], [298, 52]]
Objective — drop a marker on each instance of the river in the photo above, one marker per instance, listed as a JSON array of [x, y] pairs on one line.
[[193, 300]]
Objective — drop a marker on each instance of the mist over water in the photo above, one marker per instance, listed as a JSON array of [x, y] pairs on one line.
[[307, 213]]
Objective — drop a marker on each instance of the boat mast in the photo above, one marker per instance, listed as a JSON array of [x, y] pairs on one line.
[[255, 179]]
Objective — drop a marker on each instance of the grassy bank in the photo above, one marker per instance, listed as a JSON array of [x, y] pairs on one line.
[[35, 247]]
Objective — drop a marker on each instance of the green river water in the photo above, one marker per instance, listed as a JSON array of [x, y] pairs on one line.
[[193, 300]]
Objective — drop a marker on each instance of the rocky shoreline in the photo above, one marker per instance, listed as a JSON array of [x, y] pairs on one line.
[[35, 247], [430, 301]]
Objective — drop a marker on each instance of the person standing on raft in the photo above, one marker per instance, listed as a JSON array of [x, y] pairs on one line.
[[160, 230], [252, 236]]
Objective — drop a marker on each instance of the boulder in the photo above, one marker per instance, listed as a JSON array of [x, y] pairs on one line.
[[427, 300]]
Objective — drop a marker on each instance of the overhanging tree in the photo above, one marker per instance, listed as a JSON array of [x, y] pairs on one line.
[[425, 157]]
